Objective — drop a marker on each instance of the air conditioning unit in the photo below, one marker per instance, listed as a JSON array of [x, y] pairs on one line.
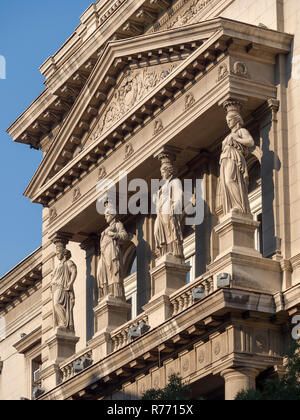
[[37, 392], [82, 364], [198, 294], [37, 376], [136, 332], [223, 280]]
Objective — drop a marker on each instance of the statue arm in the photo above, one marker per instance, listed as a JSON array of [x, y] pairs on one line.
[[177, 197], [121, 234], [245, 138], [73, 273]]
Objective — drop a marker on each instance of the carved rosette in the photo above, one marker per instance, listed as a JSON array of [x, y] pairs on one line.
[[240, 69]]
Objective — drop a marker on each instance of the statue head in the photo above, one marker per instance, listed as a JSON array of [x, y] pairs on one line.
[[67, 254], [168, 171], [233, 119], [60, 251], [110, 213]]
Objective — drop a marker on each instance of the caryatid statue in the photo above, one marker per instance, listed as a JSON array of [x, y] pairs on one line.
[[234, 178], [167, 229], [63, 296], [110, 269]]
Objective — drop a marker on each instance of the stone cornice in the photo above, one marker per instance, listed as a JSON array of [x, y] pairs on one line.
[[20, 279], [31, 340]]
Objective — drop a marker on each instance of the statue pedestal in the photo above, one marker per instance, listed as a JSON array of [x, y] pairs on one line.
[[239, 258], [236, 232], [61, 346], [110, 314], [167, 277]]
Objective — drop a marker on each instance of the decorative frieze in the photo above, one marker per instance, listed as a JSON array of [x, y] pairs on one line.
[[135, 85], [158, 126], [189, 100], [129, 151], [76, 195]]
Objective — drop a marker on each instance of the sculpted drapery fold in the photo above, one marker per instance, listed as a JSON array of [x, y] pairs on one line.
[[167, 229], [63, 296], [110, 269], [234, 178]]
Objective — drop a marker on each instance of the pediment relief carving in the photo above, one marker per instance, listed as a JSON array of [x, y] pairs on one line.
[[182, 13], [133, 88]]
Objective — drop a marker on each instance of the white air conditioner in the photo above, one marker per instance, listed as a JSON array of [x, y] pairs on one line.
[[37, 376]]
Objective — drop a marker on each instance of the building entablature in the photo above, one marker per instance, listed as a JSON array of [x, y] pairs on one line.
[[21, 280], [222, 331], [220, 59]]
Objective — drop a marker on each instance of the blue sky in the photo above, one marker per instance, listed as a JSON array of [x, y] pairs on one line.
[[30, 32]]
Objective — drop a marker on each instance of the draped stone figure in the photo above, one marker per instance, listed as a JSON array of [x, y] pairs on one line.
[[167, 229], [110, 270], [63, 296], [234, 178]]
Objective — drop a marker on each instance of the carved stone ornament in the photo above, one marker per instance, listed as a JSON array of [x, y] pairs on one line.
[[62, 290], [261, 344], [234, 178], [52, 214], [102, 174], [217, 349], [222, 72], [129, 150], [185, 15], [76, 194], [186, 365], [135, 86], [110, 269], [201, 357], [158, 126], [240, 69], [189, 100]]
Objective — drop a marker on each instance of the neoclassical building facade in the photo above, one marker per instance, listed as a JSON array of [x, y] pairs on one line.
[[110, 305]]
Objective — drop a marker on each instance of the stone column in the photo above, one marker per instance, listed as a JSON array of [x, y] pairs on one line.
[[109, 313], [91, 248], [237, 380], [61, 343], [170, 270]]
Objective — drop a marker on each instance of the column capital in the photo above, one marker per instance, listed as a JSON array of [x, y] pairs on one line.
[[237, 371], [167, 153], [92, 242], [61, 238], [271, 106]]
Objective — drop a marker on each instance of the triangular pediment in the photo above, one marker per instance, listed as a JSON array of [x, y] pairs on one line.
[[134, 86], [119, 83], [132, 78]]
